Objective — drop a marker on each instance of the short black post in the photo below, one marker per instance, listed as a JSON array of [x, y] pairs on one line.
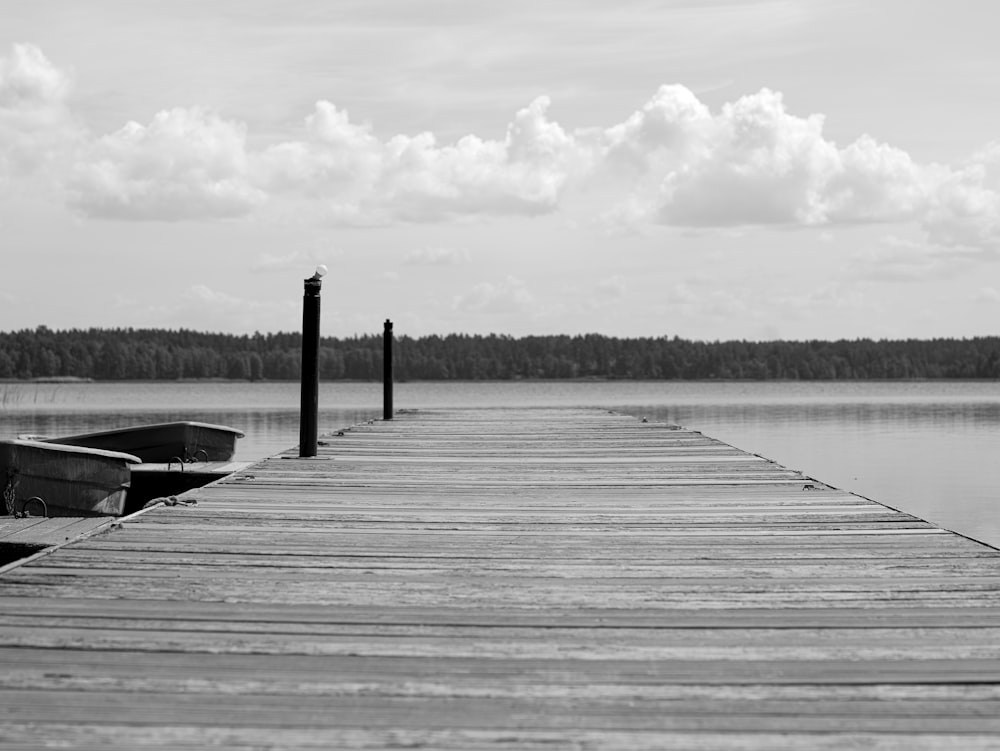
[[309, 411], [387, 371]]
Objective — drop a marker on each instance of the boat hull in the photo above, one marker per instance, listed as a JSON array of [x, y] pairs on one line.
[[164, 442], [70, 481]]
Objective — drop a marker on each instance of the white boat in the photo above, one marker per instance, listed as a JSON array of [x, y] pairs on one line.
[[48, 479], [163, 442]]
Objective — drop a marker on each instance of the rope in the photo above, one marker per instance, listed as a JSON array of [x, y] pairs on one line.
[[8, 491], [171, 500], [10, 499]]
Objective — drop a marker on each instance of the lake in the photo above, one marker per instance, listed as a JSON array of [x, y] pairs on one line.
[[931, 448]]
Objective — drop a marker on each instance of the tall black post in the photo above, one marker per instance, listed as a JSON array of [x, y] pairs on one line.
[[309, 411], [387, 371]]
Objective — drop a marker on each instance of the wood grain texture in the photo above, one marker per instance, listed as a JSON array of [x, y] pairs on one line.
[[520, 579], [42, 531]]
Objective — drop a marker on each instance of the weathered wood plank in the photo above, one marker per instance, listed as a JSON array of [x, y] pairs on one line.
[[115, 736], [513, 713], [48, 531]]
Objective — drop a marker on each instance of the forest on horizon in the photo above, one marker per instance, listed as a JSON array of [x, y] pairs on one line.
[[163, 354]]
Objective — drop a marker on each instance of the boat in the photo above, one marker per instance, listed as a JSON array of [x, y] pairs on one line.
[[45, 479], [163, 442]]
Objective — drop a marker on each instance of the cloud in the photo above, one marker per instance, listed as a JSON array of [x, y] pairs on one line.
[[35, 123], [964, 211], [672, 162], [437, 257], [186, 164], [341, 159], [752, 164], [667, 129], [415, 179], [29, 81], [507, 296]]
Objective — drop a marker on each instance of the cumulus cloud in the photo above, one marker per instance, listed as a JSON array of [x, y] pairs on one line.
[[673, 162], [964, 210], [29, 80], [35, 123], [753, 163], [669, 128], [341, 159], [186, 164], [414, 178]]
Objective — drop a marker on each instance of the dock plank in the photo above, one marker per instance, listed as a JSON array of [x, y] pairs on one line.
[[508, 578]]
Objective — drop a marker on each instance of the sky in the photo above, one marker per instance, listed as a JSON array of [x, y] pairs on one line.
[[758, 169]]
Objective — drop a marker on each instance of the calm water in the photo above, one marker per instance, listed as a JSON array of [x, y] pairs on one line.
[[929, 448]]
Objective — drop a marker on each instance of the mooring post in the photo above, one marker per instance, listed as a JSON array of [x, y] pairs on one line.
[[387, 371], [309, 410]]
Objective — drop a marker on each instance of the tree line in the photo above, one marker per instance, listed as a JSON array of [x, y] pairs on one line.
[[158, 354]]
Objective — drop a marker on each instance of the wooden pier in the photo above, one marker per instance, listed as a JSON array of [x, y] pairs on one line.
[[507, 579]]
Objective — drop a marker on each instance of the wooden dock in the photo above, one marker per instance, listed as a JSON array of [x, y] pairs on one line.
[[508, 579], [21, 535]]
